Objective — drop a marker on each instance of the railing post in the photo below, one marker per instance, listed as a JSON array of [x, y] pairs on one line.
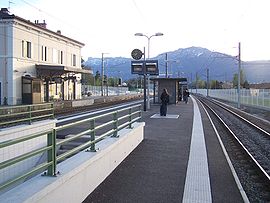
[[30, 114], [140, 113], [52, 107], [263, 97], [93, 134], [51, 155], [130, 117], [115, 127]]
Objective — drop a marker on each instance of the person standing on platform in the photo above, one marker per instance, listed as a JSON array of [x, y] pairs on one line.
[[186, 95], [164, 102]]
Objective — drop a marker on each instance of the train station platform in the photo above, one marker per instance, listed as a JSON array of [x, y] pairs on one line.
[[180, 160]]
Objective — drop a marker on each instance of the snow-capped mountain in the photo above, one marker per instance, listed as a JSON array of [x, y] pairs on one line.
[[184, 62]]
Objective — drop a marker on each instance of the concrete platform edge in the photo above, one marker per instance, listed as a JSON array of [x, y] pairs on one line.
[[238, 183]]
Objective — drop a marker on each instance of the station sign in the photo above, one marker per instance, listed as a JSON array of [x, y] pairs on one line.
[[149, 67]]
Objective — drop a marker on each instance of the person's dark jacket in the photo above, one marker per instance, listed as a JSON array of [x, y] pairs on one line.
[[165, 98], [186, 94]]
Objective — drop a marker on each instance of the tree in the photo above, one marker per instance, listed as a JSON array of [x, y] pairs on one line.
[[242, 79], [215, 84], [246, 85], [82, 63], [201, 84], [133, 83], [97, 79]]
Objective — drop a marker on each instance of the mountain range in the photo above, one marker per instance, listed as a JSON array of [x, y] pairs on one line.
[[187, 62]]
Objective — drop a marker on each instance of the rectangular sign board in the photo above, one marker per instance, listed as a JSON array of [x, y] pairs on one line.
[[137, 67], [145, 67]]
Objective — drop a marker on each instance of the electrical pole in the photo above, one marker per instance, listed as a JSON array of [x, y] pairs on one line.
[[166, 59], [196, 82], [102, 73], [207, 73], [191, 86], [239, 72]]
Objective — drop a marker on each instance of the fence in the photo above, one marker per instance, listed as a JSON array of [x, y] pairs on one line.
[[11, 115], [96, 90], [254, 97], [120, 119]]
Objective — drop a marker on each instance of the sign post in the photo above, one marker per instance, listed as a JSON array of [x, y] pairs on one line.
[[143, 67]]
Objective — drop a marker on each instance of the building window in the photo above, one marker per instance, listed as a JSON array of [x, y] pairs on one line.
[[26, 49], [43, 53], [28, 54], [36, 87], [23, 48], [74, 60], [60, 57]]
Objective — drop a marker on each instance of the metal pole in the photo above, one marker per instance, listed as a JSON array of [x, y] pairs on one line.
[[148, 47], [207, 71], [144, 81], [196, 82], [239, 72], [102, 74], [191, 82], [166, 59], [148, 77]]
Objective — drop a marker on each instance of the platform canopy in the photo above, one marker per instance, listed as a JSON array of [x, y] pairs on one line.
[[56, 71], [169, 79]]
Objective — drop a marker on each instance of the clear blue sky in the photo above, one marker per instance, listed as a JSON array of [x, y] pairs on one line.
[[109, 25]]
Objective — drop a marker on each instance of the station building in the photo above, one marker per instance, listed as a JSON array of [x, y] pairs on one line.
[[36, 64]]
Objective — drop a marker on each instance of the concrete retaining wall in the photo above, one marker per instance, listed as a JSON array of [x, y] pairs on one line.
[[80, 174], [93, 100], [23, 147]]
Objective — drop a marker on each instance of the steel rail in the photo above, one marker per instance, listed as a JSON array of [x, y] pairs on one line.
[[241, 117], [267, 176]]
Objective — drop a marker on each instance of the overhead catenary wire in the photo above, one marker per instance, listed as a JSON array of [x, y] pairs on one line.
[[50, 15]]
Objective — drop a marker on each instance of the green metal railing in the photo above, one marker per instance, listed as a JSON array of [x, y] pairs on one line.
[[111, 127], [12, 115]]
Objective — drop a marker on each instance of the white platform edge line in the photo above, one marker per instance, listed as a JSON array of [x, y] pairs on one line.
[[238, 183], [197, 184]]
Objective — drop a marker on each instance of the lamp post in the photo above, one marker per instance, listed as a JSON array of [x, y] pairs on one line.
[[148, 53]]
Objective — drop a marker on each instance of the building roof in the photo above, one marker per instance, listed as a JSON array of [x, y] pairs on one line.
[[4, 14], [56, 70], [170, 79], [260, 86]]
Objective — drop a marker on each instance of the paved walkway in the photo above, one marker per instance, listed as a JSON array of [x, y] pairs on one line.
[[180, 160]]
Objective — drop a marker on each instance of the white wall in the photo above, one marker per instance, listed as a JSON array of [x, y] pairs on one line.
[[80, 174], [22, 148]]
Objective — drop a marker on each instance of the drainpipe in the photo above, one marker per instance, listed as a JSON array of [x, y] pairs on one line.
[[5, 76]]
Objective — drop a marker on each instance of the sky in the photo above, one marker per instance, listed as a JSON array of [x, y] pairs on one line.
[[108, 26]]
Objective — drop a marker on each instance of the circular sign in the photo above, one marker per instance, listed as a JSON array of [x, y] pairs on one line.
[[136, 54]]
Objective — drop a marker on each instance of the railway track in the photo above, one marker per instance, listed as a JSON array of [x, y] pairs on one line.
[[247, 142], [58, 111], [65, 111]]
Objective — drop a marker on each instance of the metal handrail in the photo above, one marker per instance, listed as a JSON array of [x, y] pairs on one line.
[[28, 112], [52, 158], [25, 156]]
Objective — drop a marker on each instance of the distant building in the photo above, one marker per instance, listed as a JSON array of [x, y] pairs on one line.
[[226, 85], [37, 64], [260, 86]]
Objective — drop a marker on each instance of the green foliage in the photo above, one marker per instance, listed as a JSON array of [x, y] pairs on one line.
[[134, 83], [242, 79]]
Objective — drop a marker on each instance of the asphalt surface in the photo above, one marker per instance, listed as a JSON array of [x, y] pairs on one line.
[[155, 171]]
